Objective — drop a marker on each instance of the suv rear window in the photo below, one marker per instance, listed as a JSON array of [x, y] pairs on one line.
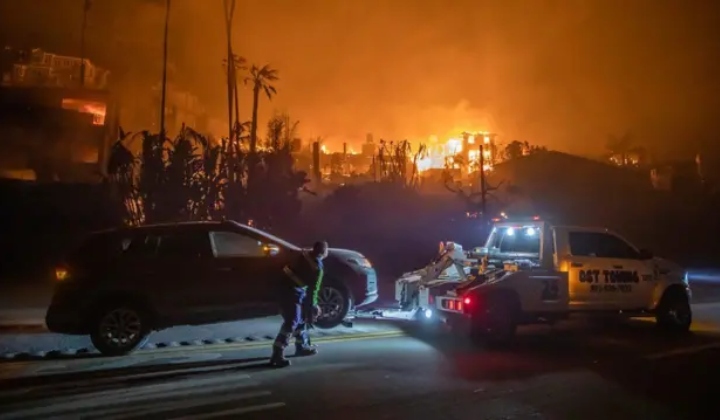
[[99, 248]]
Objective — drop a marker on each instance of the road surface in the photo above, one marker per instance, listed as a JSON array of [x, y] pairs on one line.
[[626, 371], [23, 307], [381, 370]]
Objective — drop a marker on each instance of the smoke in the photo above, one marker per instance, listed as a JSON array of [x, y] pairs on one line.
[[563, 74]]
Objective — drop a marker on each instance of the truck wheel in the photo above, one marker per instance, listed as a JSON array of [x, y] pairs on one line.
[[119, 329], [496, 324], [674, 313], [335, 302]]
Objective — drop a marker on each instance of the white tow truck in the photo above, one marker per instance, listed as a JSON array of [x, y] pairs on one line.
[[531, 272]]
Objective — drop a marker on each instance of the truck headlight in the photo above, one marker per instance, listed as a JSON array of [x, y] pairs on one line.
[[362, 262], [686, 278]]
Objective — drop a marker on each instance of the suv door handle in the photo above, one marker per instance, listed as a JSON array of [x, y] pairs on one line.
[[617, 267], [225, 269], [576, 264]]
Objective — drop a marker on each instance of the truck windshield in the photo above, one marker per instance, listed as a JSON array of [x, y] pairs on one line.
[[511, 240]]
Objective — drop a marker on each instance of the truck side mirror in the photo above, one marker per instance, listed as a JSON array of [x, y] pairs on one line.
[[645, 254]]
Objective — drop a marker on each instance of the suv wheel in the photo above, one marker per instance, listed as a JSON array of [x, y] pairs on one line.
[[334, 302], [674, 313], [120, 329]]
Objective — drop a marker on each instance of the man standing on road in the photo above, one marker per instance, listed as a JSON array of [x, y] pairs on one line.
[[303, 281]]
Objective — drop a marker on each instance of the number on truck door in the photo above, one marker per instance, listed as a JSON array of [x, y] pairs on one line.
[[551, 290]]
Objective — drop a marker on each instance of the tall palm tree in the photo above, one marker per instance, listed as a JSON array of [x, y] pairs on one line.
[[164, 76], [260, 78], [239, 63]]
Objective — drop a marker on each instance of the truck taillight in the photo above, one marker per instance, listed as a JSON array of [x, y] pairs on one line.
[[467, 301]]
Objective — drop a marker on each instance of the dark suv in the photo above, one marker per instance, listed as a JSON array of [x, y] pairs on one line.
[[121, 284]]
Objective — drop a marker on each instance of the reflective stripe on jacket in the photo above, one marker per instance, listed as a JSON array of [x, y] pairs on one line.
[[306, 272]]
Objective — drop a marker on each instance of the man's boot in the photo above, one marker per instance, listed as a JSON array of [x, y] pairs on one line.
[[278, 358], [305, 349]]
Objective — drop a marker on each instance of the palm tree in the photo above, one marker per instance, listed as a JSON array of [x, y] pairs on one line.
[[260, 78], [239, 63], [164, 76]]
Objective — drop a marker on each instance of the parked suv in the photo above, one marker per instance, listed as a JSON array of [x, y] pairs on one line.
[[121, 284]]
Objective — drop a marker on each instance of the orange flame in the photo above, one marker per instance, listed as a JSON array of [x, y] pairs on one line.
[[440, 155]]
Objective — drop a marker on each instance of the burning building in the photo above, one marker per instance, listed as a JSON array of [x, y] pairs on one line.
[[55, 134], [37, 67], [467, 152]]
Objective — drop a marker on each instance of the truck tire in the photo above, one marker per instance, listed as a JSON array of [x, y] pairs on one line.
[[496, 323], [335, 302], [119, 328], [674, 313]]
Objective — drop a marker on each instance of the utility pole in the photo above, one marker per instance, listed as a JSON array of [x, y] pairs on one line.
[[344, 159], [483, 183], [317, 175], [86, 8], [229, 6]]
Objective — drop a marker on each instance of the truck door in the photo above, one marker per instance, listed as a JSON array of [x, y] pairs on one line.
[[582, 266], [606, 272]]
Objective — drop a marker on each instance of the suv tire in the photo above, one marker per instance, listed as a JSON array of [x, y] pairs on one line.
[[120, 328], [674, 313], [335, 301]]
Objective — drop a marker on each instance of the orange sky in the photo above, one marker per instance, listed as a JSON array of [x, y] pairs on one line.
[[562, 73]]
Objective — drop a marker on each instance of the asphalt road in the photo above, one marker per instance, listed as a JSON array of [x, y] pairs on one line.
[[577, 371], [706, 288]]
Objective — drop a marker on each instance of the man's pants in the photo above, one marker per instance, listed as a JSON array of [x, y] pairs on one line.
[[293, 304]]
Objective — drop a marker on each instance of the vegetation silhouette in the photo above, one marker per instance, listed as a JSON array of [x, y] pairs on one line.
[[192, 177]]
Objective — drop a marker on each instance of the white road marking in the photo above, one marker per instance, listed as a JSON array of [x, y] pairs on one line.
[[682, 351], [93, 382], [234, 411]]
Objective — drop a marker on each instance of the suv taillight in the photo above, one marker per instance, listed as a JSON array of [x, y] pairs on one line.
[[61, 273]]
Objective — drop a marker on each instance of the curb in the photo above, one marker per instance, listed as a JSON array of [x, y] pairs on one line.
[[230, 343], [22, 328]]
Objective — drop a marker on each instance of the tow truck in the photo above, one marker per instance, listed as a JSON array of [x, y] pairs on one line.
[[530, 271]]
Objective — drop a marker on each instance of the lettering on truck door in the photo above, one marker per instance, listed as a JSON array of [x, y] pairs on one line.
[[584, 270], [628, 276], [610, 272]]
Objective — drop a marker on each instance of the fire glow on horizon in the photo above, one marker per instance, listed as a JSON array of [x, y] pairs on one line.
[[441, 155]]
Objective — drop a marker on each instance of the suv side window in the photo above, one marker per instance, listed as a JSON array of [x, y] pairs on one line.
[[601, 245], [184, 245], [99, 249], [142, 246], [232, 244]]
